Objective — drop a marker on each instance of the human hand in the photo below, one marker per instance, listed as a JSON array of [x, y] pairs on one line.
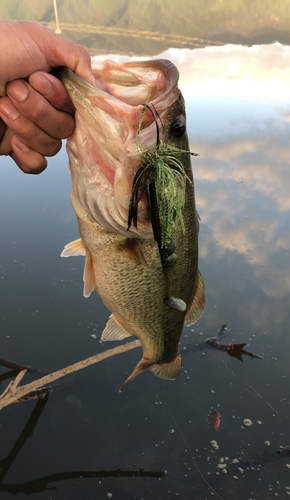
[[41, 118], [38, 115]]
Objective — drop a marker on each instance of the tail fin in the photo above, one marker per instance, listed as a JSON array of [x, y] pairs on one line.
[[169, 370]]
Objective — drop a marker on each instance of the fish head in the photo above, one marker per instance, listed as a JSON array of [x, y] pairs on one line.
[[112, 128]]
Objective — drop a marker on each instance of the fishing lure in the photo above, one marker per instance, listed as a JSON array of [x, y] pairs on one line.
[[162, 177]]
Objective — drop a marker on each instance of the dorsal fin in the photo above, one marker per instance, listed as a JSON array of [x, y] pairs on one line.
[[197, 305], [89, 277], [73, 249], [114, 331]]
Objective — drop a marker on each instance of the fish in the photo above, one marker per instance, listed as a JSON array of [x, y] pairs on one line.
[[114, 126]]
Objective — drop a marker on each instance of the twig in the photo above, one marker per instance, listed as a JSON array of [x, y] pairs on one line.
[[14, 394], [13, 366], [232, 349]]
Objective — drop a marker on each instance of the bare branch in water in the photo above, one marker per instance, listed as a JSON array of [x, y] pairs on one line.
[[235, 350], [14, 394], [36, 390], [13, 366]]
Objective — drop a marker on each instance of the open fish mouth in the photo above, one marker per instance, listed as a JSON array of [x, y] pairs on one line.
[[107, 120]]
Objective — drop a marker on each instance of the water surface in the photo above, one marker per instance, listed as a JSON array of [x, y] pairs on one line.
[[153, 440]]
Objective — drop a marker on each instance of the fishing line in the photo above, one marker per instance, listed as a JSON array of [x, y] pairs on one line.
[[155, 119], [157, 114], [190, 452]]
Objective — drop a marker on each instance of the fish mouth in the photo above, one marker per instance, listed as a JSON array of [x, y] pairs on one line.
[[104, 157]]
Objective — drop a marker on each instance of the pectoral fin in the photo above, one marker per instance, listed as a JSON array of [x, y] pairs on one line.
[[73, 249], [197, 305], [114, 331], [133, 249]]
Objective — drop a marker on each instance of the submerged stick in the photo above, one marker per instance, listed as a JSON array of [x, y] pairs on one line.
[[13, 393], [13, 366]]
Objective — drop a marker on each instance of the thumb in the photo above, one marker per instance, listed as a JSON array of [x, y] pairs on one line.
[[61, 52]]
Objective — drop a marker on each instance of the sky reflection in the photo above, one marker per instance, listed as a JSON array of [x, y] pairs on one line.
[[239, 123], [237, 101]]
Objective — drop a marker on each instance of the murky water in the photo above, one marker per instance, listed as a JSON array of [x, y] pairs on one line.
[[153, 440]]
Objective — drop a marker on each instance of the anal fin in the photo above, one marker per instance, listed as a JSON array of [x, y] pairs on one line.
[[114, 331], [197, 304]]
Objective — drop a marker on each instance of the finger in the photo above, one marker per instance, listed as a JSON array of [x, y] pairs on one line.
[[61, 52], [53, 90], [33, 47], [27, 131], [37, 109], [5, 144], [2, 129], [29, 161], [74, 56]]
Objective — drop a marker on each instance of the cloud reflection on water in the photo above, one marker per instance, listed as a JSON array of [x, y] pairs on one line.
[[242, 175], [238, 121]]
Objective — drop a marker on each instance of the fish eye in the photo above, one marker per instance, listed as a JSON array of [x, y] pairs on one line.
[[178, 128]]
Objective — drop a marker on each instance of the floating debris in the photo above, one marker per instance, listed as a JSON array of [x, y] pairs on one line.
[[236, 350], [247, 422], [221, 466], [241, 470], [214, 445], [93, 336], [222, 329], [283, 448], [259, 422], [224, 471], [214, 420], [267, 443]]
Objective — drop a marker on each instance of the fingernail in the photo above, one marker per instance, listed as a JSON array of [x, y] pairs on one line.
[[20, 145], [8, 110], [17, 90]]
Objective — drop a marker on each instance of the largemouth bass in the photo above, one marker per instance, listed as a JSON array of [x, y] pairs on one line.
[[123, 263]]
